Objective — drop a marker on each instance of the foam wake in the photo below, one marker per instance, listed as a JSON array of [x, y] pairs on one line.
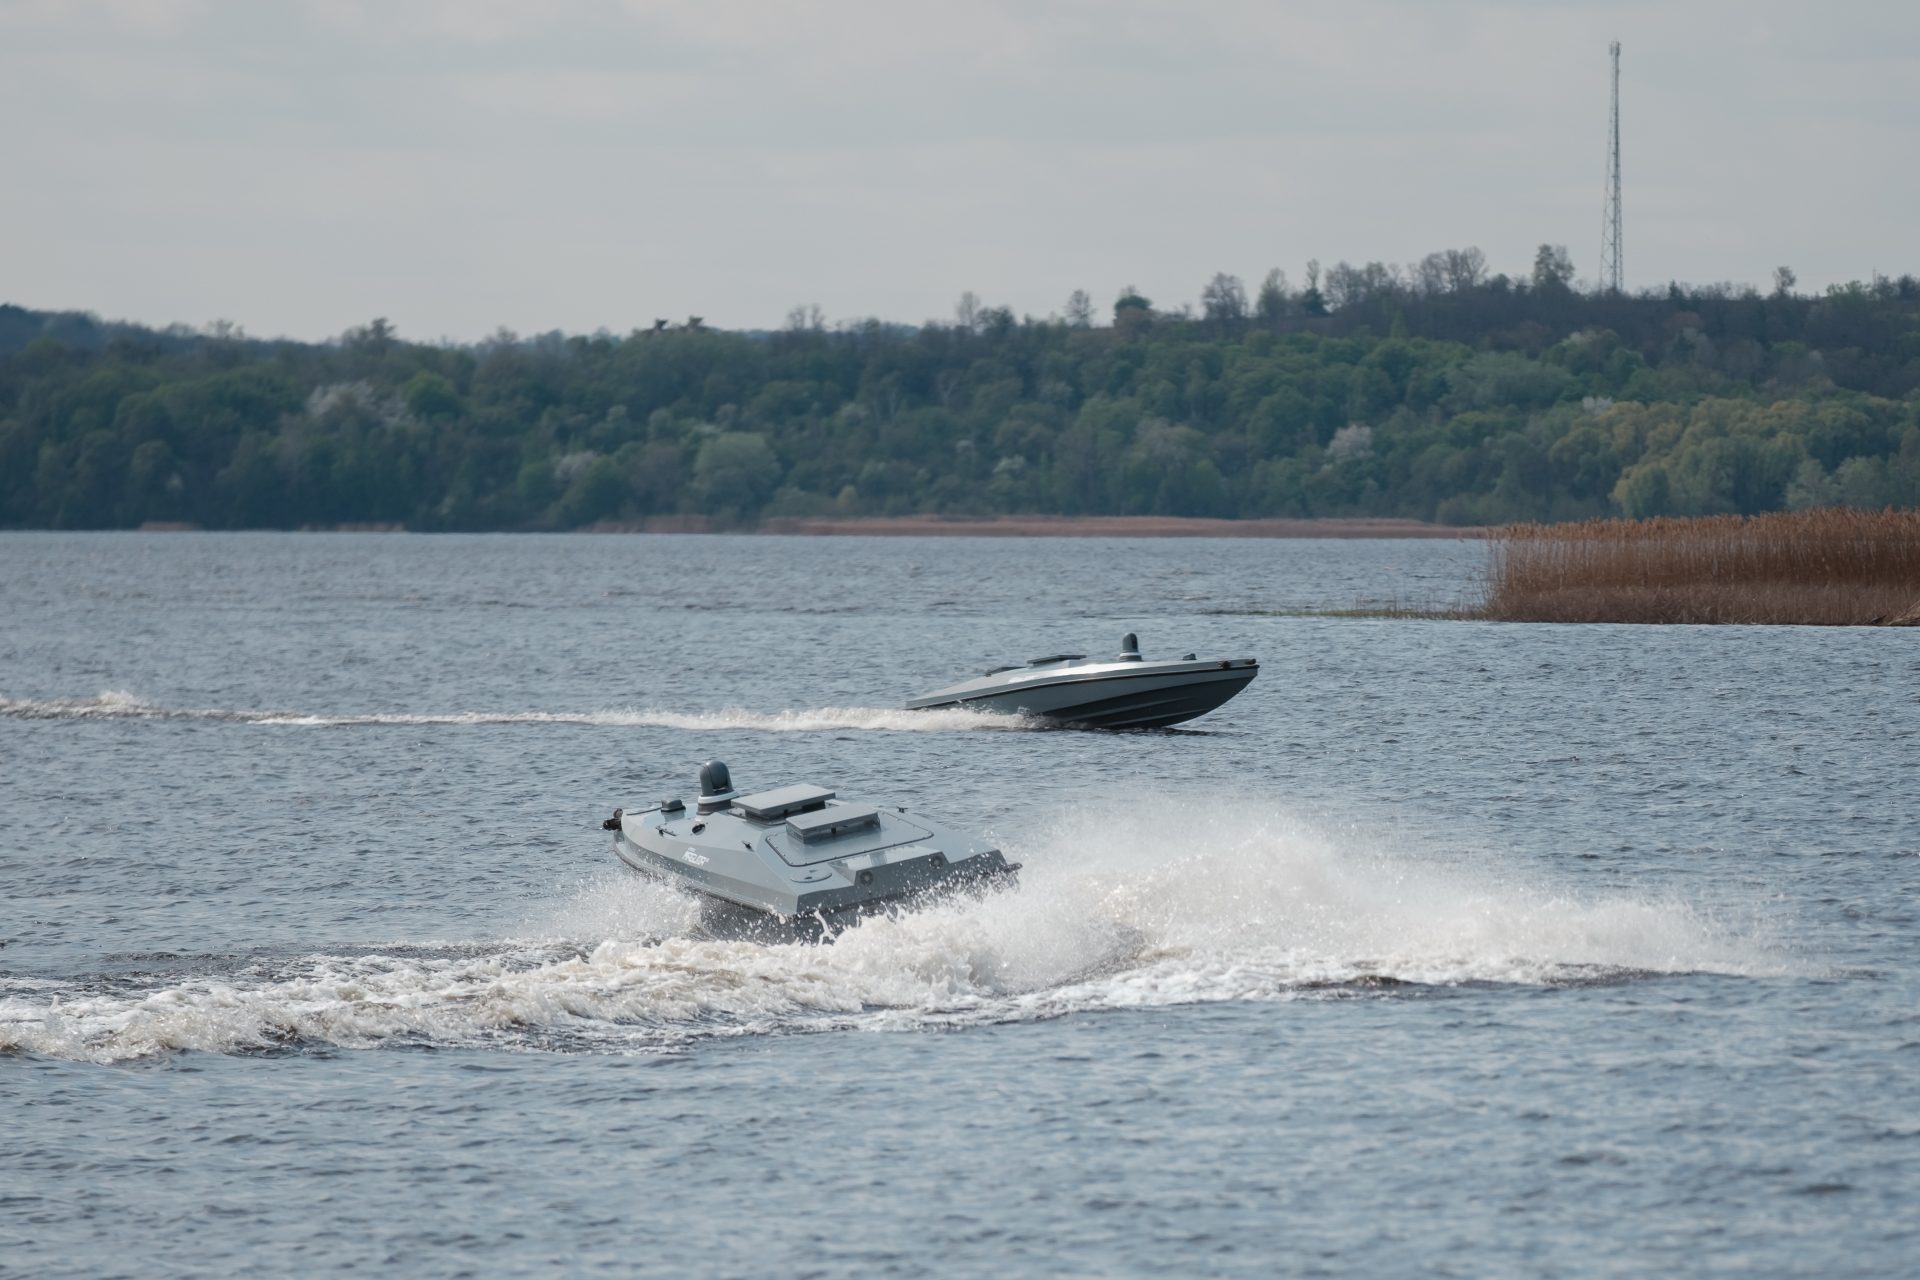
[[116, 705], [1116, 910]]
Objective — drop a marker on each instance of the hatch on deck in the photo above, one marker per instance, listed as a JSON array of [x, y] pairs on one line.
[[771, 806], [839, 820]]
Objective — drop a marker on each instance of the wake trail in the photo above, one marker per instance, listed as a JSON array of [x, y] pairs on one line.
[[115, 705]]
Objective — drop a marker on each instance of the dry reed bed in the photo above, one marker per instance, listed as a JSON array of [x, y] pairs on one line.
[[1831, 567]]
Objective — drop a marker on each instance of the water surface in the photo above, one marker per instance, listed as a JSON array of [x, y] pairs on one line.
[[1447, 948]]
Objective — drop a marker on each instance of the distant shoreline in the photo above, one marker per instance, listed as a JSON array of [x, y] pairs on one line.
[[1055, 527], [963, 527]]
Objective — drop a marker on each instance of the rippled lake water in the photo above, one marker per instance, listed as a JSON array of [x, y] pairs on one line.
[[1446, 948]]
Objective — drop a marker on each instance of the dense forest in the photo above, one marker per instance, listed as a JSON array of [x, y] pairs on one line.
[[1437, 391]]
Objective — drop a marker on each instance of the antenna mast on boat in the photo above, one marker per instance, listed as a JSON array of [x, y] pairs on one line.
[[1611, 260]]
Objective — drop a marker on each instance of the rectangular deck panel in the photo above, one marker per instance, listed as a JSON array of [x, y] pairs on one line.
[[834, 820], [771, 806]]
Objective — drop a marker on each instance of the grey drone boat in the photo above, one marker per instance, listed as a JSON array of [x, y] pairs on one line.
[[1124, 692], [800, 852]]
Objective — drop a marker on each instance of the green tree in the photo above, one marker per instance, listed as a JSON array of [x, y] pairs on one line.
[[1552, 270], [735, 472], [429, 395]]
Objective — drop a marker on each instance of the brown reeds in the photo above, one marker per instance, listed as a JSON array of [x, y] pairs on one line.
[[1831, 567]]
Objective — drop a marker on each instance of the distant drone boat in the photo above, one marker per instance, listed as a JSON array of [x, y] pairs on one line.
[[1124, 692], [800, 852]]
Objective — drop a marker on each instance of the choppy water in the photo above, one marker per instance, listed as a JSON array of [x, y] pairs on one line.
[[1445, 949]]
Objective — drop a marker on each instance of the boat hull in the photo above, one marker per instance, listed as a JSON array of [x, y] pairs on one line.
[[738, 899], [1113, 700]]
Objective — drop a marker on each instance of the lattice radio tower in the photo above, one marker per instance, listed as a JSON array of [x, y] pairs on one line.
[[1611, 260]]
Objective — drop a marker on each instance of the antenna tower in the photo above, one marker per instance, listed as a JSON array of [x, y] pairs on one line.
[[1610, 251]]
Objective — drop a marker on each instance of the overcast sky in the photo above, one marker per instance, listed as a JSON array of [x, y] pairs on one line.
[[461, 165]]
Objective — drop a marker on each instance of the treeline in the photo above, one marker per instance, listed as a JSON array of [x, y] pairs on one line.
[[1436, 391]]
